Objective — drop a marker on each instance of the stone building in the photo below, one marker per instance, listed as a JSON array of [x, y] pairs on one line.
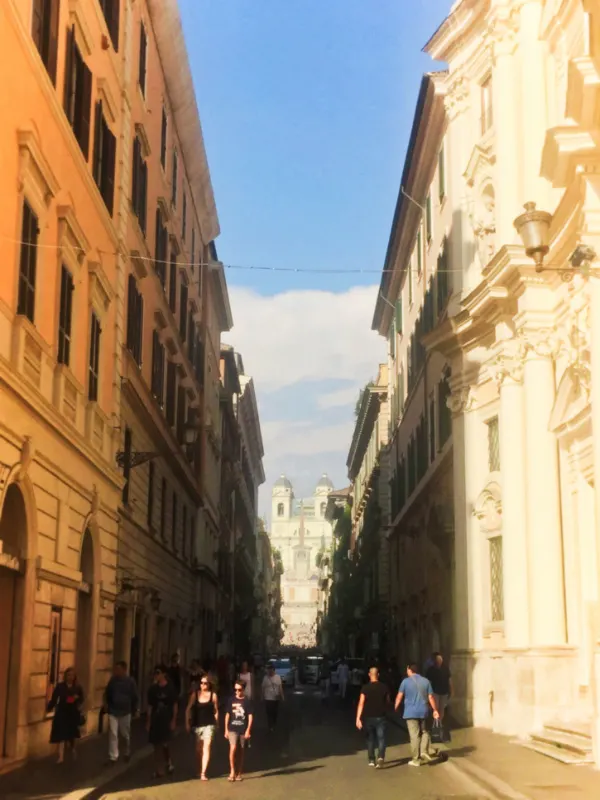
[[368, 470], [413, 298], [522, 349], [302, 535], [111, 307]]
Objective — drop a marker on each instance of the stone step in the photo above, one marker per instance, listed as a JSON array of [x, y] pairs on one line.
[[557, 753], [583, 729], [566, 741]]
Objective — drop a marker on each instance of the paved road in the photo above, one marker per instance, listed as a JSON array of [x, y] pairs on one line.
[[315, 753]]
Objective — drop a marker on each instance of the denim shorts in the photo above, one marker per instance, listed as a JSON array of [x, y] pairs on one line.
[[235, 737], [206, 733]]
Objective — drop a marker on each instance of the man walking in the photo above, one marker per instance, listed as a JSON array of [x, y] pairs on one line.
[[343, 673], [272, 691], [370, 716], [418, 697], [121, 701], [440, 678]]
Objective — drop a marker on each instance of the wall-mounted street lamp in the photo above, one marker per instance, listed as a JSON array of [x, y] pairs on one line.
[[534, 229], [191, 432]]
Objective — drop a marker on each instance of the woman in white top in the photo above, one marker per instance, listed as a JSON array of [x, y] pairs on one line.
[[246, 676]]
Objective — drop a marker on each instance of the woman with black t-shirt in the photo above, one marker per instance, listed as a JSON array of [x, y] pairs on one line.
[[202, 716], [162, 719]]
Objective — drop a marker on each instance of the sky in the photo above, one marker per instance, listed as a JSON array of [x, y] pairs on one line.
[[306, 108]]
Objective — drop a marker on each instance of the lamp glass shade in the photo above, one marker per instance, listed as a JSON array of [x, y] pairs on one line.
[[534, 229]]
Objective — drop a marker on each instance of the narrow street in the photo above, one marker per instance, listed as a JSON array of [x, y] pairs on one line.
[[316, 752]]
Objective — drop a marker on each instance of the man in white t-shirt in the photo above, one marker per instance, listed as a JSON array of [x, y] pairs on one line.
[[343, 673], [272, 692], [246, 676]]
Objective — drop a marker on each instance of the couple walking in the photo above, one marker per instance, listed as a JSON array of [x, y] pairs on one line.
[[420, 702]]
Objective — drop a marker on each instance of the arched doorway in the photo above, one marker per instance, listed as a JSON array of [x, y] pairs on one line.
[[13, 538], [85, 616]]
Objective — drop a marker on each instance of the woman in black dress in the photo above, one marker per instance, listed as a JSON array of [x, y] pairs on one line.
[[66, 702]]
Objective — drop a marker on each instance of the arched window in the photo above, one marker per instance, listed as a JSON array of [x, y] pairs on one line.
[[323, 507], [280, 509]]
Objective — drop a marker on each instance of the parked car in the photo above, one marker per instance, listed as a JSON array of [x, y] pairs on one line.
[[312, 669], [286, 671]]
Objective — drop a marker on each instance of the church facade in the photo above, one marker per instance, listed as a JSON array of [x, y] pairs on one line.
[[304, 538]]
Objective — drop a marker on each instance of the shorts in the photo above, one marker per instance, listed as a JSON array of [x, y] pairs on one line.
[[442, 701], [205, 733], [235, 738]]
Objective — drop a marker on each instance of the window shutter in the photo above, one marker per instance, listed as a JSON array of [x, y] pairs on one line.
[[110, 152], [399, 315], [97, 160], [69, 58], [140, 329], [131, 289], [86, 109], [144, 196], [113, 26], [36, 23], [53, 40]]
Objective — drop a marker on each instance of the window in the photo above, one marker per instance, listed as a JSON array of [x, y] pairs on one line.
[[78, 93], [429, 218], [184, 217], [181, 403], [94, 360], [420, 250], [173, 282], [392, 340], [280, 509], [163, 139], [174, 180], [183, 310], [135, 320], [65, 315], [493, 444], [441, 173], [444, 413], [496, 579], [323, 507], [183, 530], [193, 248], [160, 248], [143, 59], [442, 275], [399, 322], [44, 30], [110, 9], [199, 360], [487, 111], [163, 507], [127, 446], [139, 191], [105, 149], [28, 263], [150, 507], [191, 337], [409, 279], [53, 675], [158, 368], [171, 392], [431, 430], [174, 521]]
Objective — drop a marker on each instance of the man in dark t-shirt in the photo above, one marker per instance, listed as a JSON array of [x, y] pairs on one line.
[[370, 716], [161, 719], [440, 678], [238, 728]]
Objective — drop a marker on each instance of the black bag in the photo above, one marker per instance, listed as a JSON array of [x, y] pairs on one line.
[[437, 732]]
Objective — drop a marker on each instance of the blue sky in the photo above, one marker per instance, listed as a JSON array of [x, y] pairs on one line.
[[306, 107]]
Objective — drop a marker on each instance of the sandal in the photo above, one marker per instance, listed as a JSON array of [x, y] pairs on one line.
[[239, 778], [231, 778], [203, 778]]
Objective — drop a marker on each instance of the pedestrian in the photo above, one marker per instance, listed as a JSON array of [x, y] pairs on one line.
[[239, 717], [370, 716], [343, 673], [66, 702], [162, 720], [246, 676], [121, 701], [440, 678], [202, 716], [326, 676], [272, 691], [418, 698], [174, 673]]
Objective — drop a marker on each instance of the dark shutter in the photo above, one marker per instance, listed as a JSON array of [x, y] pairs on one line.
[[69, 60], [109, 166], [136, 176], [113, 25], [37, 23], [131, 293], [173, 283], [140, 329], [127, 447], [28, 263], [143, 196], [53, 40], [183, 310], [98, 146], [163, 139], [86, 109], [142, 61]]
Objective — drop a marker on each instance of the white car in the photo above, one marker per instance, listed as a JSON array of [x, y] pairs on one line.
[[286, 671]]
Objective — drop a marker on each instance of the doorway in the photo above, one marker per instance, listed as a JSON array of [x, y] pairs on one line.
[[83, 651], [13, 534]]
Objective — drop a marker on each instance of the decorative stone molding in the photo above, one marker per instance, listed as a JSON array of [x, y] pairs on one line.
[[25, 459], [71, 238], [101, 292], [457, 97], [509, 362], [503, 30], [35, 173], [461, 400], [544, 342], [488, 508]]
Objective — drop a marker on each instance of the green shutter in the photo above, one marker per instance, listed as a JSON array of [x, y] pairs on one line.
[[392, 337], [399, 328]]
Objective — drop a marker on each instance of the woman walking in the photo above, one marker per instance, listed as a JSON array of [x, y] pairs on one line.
[[66, 702], [162, 720], [202, 716]]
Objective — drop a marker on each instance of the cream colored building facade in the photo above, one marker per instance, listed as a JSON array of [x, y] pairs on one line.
[[523, 352], [302, 534]]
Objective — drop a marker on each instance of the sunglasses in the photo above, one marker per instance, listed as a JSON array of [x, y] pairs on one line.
[[203, 683]]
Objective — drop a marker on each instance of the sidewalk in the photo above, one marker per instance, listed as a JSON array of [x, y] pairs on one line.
[[506, 770], [46, 779]]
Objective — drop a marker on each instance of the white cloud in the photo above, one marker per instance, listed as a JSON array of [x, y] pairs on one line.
[[301, 438], [306, 335], [341, 397]]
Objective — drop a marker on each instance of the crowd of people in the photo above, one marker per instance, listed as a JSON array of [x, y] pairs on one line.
[[205, 694]]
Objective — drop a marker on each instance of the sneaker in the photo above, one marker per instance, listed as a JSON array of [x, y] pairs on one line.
[[371, 763], [427, 757], [414, 762], [379, 764]]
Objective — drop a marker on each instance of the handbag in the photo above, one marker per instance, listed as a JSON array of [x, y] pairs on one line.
[[437, 732]]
